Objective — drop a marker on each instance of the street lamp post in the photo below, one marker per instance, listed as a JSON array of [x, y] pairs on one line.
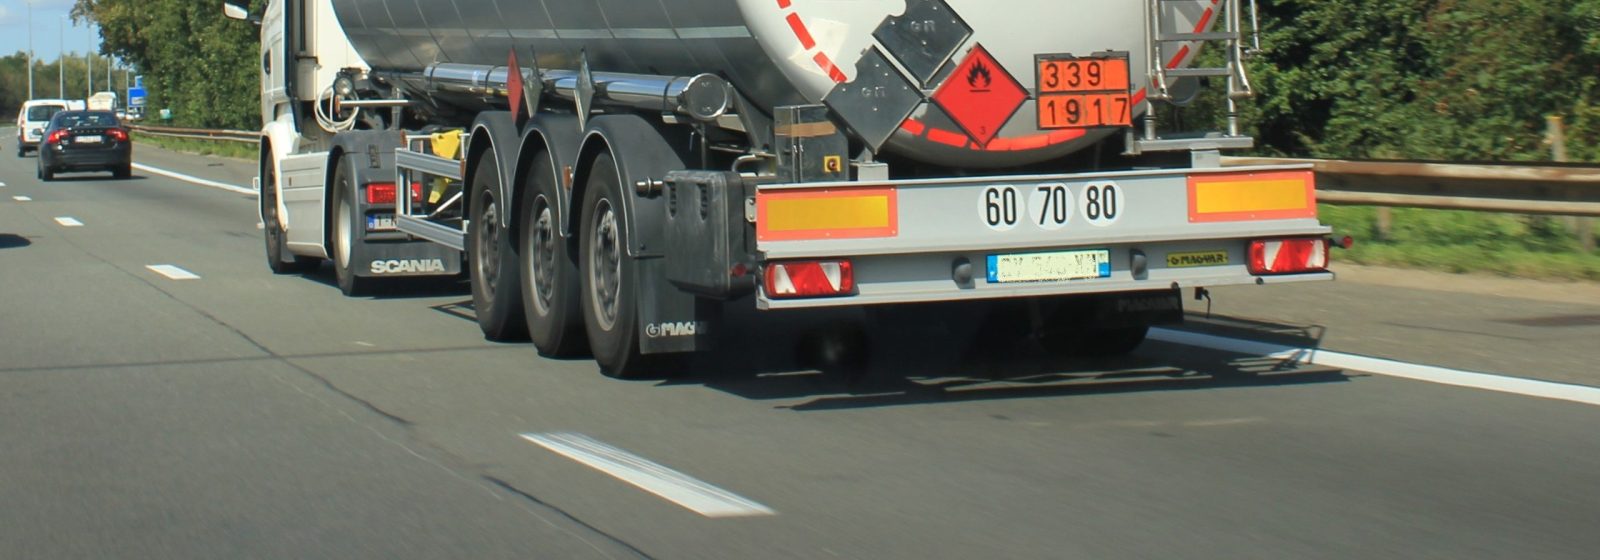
[[61, 60], [30, 49]]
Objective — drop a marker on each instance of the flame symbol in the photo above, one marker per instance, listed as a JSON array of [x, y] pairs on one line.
[[978, 77]]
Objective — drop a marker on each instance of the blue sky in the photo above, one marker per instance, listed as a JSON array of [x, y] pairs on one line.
[[47, 34]]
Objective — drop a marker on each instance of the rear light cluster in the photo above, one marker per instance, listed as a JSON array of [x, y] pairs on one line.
[[1288, 256], [56, 137], [383, 193], [118, 134], [803, 279]]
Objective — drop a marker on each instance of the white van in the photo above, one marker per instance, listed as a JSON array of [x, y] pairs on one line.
[[34, 117]]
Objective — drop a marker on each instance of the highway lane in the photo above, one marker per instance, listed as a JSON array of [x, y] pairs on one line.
[[243, 414]]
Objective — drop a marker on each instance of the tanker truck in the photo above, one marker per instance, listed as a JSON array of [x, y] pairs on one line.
[[612, 175]]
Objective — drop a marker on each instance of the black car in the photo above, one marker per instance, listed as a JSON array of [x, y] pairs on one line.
[[85, 141]]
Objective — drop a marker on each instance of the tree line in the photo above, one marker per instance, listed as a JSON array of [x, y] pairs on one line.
[[1429, 79], [49, 80]]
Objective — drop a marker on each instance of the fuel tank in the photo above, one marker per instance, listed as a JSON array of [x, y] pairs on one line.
[[899, 54]]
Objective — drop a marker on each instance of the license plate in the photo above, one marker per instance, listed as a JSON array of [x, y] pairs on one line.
[[380, 222], [88, 140], [1049, 267], [1083, 92]]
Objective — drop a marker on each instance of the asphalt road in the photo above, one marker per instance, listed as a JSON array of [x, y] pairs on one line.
[[243, 414]]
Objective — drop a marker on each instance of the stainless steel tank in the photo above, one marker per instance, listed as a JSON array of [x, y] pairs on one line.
[[789, 52]]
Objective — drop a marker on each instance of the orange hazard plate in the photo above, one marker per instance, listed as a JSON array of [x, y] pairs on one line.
[[1083, 92], [1084, 110]]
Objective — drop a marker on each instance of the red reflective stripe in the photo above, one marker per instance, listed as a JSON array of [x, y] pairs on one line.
[[800, 31], [943, 136], [914, 127], [1178, 59], [827, 66], [784, 4]]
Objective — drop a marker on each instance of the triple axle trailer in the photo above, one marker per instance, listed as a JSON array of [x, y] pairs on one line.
[[611, 174]]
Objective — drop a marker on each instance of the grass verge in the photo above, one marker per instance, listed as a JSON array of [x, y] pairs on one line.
[[1460, 241], [222, 148]]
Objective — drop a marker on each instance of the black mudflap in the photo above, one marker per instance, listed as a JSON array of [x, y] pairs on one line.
[[671, 320], [404, 259]]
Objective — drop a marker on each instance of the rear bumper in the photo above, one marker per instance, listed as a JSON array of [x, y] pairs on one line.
[[938, 242], [87, 159]]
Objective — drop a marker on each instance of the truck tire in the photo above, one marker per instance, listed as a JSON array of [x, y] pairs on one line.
[[346, 219], [496, 290], [549, 272], [279, 259], [609, 276]]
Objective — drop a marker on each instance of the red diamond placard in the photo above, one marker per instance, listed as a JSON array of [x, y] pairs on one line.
[[980, 95], [514, 86]]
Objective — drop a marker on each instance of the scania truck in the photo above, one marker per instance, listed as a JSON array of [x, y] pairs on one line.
[[612, 174]]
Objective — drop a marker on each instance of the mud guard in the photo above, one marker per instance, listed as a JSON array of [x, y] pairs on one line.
[[670, 320], [370, 157]]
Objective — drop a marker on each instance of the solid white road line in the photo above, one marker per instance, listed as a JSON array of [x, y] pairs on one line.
[[649, 476], [68, 221], [22, 198], [1391, 368], [173, 272], [195, 180]]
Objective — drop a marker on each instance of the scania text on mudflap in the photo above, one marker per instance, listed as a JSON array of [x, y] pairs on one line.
[[611, 174]]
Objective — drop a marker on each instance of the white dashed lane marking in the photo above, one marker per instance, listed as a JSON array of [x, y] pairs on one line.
[[647, 475], [69, 221], [22, 198], [173, 272]]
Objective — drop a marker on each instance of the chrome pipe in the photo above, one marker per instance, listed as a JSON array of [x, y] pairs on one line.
[[704, 97]]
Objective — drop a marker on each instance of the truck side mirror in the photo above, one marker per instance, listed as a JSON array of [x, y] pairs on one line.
[[239, 11]]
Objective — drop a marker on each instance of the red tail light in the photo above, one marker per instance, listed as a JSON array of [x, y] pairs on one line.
[[56, 137], [383, 193], [118, 134], [1288, 256], [800, 279]]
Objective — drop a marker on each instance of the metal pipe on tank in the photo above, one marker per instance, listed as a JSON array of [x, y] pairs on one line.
[[703, 97]]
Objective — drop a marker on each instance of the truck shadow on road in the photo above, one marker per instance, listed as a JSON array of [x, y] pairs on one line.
[[13, 241], [932, 360]]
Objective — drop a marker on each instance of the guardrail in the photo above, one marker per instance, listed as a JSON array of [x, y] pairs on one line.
[[249, 136], [1518, 188]]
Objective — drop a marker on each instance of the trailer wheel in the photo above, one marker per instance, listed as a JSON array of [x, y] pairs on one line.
[[345, 218], [609, 276], [279, 260], [549, 272], [496, 290]]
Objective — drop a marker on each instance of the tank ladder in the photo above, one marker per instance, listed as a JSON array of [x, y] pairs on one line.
[[1162, 77]]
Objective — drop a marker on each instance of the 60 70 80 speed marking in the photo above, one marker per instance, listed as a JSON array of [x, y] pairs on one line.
[[1049, 206]]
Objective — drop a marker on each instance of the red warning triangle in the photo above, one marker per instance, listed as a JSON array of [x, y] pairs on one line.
[[980, 95], [514, 85]]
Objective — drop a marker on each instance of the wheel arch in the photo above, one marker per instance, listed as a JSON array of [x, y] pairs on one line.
[[641, 151], [560, 137]]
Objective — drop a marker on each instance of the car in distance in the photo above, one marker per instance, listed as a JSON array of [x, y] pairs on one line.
[[85, 141], [33, 117]]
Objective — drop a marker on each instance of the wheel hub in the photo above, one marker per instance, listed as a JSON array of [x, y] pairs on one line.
[[488, 248], [605, 266], [543, 243]]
